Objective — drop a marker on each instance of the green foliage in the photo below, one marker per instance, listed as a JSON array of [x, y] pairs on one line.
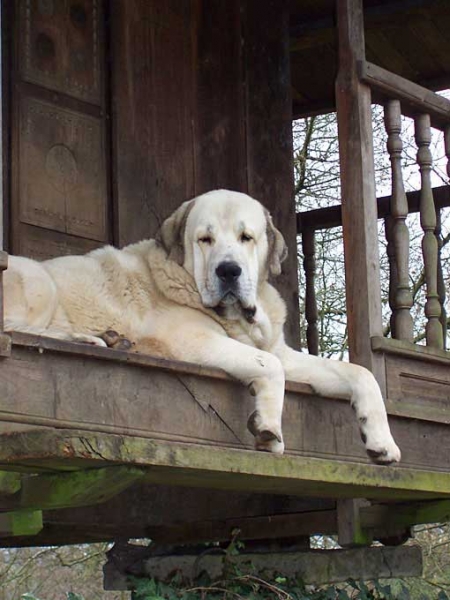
[[251, 587]]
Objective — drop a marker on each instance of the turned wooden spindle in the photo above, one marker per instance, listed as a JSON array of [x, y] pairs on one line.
[[430, 248], [440, 277], [447, 148], [402, 301], [311, 311], [393, 275]]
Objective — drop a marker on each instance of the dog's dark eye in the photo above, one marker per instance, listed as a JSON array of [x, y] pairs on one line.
[[246, 238], [206, 239]]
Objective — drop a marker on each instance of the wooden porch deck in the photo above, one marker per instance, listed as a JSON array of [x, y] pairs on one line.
[[82, 426]]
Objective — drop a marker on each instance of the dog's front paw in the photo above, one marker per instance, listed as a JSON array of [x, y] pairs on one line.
[[268, 436], [381, 447], [113, 339], [263, 444]]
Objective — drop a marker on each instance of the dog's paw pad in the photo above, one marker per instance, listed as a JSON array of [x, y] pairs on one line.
[[113, 339], [269, 445], [384, 454], [261, 431], [110, 337]]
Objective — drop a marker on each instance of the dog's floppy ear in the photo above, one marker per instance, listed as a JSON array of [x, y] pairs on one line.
[[171, 233], [277, 251]]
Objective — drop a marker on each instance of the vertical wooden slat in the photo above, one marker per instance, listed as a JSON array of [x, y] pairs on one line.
[[270, 152], [152, 99], [402, 297], [311, 312], [440, 278], [430, 247], [359, 212], [393, 275], [447, 148], [220, 116]]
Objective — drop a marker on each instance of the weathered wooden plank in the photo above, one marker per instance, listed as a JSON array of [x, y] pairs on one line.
[[215, 467], [152, 101], [146, 510], [272, 527], [414, 96], [269, 133], [58, 155], [359, 216], [103, 390], [220, 112], [350, 528], [20, 523], [63, 490], [316, 566]]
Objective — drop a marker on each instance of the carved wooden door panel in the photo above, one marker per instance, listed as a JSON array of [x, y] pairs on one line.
[[59, 199]]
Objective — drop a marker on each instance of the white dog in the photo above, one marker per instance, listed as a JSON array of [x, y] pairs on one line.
[[197, 293]]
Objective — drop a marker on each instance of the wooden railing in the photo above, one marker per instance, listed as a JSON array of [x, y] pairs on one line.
[[399, 97]]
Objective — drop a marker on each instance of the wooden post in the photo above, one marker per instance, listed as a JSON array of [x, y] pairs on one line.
[[359, 211]]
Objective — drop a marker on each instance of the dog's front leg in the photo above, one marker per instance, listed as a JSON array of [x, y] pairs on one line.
[[346, 380], [262, 372]]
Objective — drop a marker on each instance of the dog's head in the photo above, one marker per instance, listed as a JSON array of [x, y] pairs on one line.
[[228, 243]]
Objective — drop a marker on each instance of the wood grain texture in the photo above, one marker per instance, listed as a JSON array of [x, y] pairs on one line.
[[269, 133], [122, 393], [417, 98], [359, 216], [220, 109], [152, 102]]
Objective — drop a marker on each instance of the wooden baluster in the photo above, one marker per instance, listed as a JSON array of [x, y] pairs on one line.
[[393, 273], [311, 312], [447, 148], [440, 278], [402, 296], [430, 247]]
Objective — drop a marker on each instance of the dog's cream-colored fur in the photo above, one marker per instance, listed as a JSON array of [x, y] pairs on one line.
[[168, 294]]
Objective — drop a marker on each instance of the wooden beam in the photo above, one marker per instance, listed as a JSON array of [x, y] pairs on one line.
[[77, 488], [192, 465], [275, 527], [414, 97], [350, 528], [389, 517], [415, 351], [312, 567], [10, 483], [327, 218], [20, 523]]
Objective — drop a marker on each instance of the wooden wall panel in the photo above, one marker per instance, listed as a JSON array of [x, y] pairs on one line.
[[152, 109], [62, 169], [60, 201], [62, 46], [207, 105], [220, 120], [269, 133]]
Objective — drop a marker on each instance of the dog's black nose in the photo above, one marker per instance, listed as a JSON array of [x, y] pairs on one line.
[[228, 271]]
